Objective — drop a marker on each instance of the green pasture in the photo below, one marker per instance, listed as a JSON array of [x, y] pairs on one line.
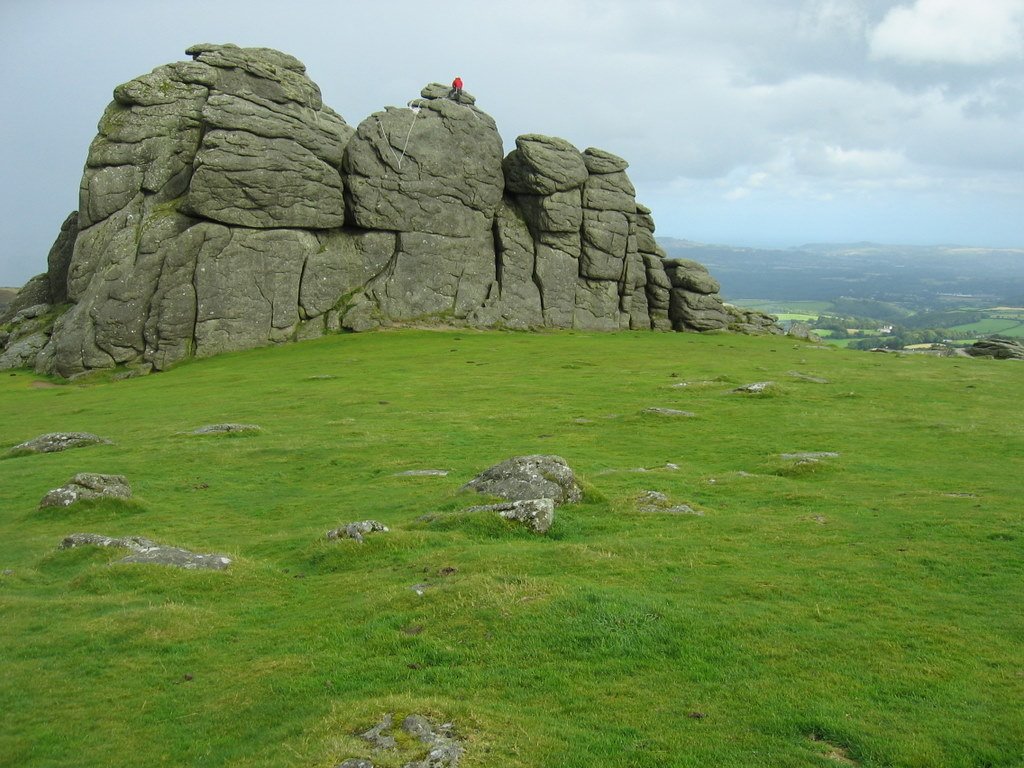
[[802, 309], [995, 325], [863, 609]]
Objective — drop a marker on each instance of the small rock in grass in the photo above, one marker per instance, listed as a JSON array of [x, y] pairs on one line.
[[423, 473], [658, 502], [756, 388], [226, 429], [357, 530], [808, 457], [57, 441], [538, 514], [808, 378], [669, 412], [149, 552], [87, 485], [378, 735]]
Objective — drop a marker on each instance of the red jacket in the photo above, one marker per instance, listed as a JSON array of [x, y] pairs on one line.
[[457, 83]]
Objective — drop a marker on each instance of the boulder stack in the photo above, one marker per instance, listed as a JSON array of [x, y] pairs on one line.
[[223, 206]]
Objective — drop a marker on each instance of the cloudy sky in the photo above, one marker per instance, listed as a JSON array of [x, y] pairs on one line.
[[747, 122]]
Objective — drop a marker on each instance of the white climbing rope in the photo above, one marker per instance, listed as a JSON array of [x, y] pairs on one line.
[[415, 107]]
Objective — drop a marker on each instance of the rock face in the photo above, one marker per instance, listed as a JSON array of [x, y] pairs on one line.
[[223, 206], [1001, 349]]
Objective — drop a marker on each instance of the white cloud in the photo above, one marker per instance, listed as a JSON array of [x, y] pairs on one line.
[[975, 32], [826, 19]]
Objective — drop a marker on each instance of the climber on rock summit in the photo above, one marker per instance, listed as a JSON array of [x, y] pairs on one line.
[[456, 91]]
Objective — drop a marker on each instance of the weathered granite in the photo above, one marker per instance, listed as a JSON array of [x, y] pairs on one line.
[[523, 478], [87, 485], [223, 206]]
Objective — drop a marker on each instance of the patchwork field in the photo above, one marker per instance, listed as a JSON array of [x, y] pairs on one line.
[[844, 588]]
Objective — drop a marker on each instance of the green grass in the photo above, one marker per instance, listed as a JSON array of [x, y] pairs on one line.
[[796, 308], [865, 608], [1003, 326]]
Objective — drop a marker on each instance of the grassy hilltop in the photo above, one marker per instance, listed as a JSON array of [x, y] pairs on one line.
[[864, 609]]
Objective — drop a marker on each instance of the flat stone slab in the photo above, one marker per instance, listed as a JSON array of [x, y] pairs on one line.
[[808, 377], [149, 552], [756, 388], [87, 485], [57, 441], [658, 502], [357, 530], [423, 473], [673, 412], [538, 514], [808, 456], [225, 429]]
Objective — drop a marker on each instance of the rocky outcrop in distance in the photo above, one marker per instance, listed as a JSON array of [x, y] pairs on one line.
[[224, 206]]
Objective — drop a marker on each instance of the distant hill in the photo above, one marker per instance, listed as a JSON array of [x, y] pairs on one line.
[[911, 275]]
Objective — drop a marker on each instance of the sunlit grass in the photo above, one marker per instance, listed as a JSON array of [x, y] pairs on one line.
[[865, 607]]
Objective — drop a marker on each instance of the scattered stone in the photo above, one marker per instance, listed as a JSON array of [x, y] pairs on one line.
[[57, 441], [808, 457], [669, 412], [1000, 349], [808, 377], [656, 501], [149, 552], [226, 429], [357, 530], [757, 388], [420, 589], [538, 514], [87, 485], [443, 749], [378, 735], [692, 384], [522, 478], [423, 473], [673, 467], [8, 572]]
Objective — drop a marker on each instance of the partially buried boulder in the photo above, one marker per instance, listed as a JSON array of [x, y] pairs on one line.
[[57, 441], [537, 514], [87, 485], [149, 552], [357, 530], [522, 478]]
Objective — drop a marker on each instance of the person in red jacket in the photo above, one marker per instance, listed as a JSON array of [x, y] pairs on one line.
[[456, 91]]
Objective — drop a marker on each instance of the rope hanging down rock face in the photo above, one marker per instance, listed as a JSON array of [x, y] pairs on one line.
[[415, 107]]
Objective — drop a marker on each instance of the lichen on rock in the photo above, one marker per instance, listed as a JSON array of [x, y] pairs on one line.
[[223, 206]]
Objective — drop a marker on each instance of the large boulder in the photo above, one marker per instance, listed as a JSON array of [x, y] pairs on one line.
[[1001, 349], [523, 478]]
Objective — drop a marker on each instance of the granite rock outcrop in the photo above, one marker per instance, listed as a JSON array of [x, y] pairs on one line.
[[224, 206]]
